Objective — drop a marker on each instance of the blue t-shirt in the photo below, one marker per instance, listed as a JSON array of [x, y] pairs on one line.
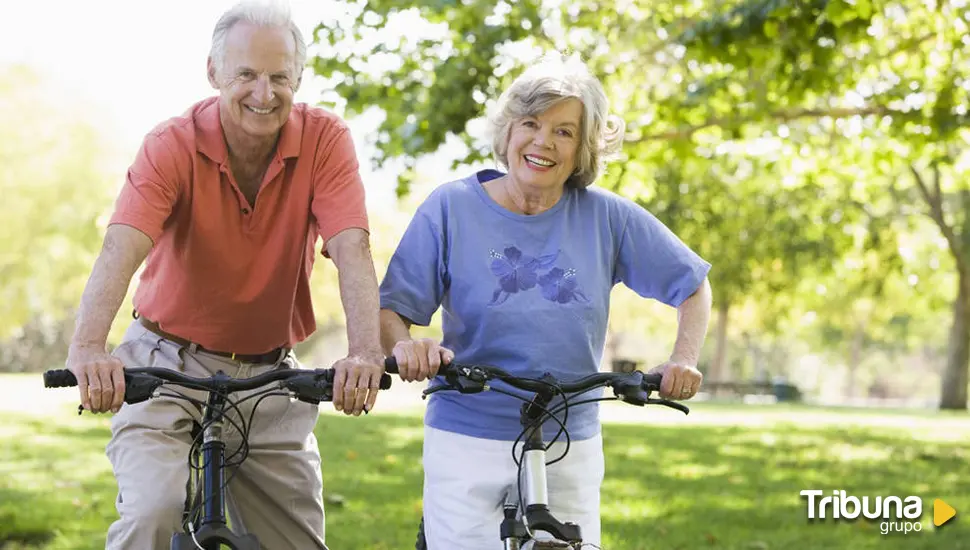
[[529, 294]]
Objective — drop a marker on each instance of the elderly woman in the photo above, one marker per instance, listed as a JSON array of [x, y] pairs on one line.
[[522, 262]]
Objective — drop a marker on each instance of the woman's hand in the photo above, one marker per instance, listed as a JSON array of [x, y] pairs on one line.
[[680, 380], [420, 359]]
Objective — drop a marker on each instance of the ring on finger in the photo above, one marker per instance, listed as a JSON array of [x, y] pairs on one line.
[[686, 391]]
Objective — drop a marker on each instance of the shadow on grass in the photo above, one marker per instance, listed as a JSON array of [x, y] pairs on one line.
[[26, 519]]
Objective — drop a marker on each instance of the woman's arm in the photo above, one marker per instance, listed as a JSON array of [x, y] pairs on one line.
[[417, 360], [692, 319], [394, 329]]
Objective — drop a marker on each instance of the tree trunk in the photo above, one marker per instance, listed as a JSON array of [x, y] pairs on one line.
[[719, 365], [855, 357], [953, 393]]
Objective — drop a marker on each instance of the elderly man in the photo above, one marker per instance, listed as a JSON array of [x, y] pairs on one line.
[[226, 202]]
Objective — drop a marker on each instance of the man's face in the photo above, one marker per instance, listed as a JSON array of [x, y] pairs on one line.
[[257, 79]]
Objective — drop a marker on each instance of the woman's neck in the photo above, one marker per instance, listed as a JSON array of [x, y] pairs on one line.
[[522, 199]]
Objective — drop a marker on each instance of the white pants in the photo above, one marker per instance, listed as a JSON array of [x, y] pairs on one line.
[[467, 480]]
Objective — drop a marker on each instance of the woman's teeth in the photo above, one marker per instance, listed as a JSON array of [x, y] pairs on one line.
[[539, 162]]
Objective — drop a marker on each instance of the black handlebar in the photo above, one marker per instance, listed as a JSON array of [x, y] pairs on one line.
[[631, 387], [311, 386]]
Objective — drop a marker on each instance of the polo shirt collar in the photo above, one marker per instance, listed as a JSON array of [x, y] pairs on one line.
[[211, 142]]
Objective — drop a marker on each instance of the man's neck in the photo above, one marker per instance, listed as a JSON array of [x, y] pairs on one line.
[[247, 149]]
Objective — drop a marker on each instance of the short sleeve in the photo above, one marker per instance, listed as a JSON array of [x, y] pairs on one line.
[[151, 188], [655, 263], [338, 191], [416, 278]]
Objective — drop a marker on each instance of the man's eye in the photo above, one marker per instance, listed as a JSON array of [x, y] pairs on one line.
[[281, 79], [248, 75]]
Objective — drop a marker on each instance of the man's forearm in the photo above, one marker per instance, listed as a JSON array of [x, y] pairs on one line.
[[692, 319], [123, 251], [359, 296]]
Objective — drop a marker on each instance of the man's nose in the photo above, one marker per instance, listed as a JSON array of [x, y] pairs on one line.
[[264, 90]]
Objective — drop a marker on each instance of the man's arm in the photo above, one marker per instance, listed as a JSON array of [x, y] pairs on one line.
[[360, 372], [99, 375]]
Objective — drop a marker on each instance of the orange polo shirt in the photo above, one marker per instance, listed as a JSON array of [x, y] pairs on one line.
[[226, 276]]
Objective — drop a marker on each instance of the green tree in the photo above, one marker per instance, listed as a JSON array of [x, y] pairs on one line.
[[692, 77], [52, 178]]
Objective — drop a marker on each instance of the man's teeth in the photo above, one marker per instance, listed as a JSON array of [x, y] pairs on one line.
[[259, 111], [539, 161]]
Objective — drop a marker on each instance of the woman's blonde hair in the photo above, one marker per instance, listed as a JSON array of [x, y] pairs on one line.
[[552, 79]]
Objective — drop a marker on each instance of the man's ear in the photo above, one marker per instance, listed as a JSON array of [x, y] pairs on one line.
[[210, 68]]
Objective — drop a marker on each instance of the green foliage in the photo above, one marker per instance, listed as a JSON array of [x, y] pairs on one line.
[[52, 178], [774, 136]]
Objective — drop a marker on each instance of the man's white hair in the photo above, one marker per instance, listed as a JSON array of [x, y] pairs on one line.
[[261, 13]]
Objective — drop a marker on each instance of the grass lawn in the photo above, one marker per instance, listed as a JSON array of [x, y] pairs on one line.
[[727, 477]]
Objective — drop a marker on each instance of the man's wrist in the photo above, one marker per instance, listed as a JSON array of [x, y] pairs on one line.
[[374, 356], [683, 359], [83, 347]]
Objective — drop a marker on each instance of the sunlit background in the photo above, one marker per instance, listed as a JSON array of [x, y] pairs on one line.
[[831, 360]]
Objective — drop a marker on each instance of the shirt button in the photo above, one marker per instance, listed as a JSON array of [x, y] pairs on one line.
[[245, 211]]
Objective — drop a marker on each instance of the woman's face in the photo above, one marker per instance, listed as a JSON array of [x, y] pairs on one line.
[[542, 149]]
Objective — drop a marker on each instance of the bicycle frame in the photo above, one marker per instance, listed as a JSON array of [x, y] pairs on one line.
[[213, 530], [143, 383]]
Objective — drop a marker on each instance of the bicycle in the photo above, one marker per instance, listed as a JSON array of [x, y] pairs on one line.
[[517, 529], [204, 517]]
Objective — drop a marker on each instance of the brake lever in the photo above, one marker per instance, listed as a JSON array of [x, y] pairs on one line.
[[426, 393], [668, 403], [140, 387], [466, 381]]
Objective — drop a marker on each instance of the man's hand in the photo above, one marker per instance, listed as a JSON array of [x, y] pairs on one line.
[[356, 383], [100, 378], [680, 380], [420, 359]]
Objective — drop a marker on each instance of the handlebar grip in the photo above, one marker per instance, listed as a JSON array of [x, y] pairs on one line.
[[390, 365], [59, 378]]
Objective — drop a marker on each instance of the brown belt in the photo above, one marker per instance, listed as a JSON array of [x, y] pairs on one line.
[[264, 358]]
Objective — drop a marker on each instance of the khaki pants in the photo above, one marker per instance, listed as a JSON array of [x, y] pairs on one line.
[[276, 494]]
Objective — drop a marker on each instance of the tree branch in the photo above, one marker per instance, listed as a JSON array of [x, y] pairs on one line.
[[934, 199], [781, 115]]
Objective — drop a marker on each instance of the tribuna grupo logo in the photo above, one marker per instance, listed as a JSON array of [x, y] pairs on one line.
[[896, 514]]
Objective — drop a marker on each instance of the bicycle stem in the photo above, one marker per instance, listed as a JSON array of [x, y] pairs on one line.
[[213, 457], [536, 515]]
